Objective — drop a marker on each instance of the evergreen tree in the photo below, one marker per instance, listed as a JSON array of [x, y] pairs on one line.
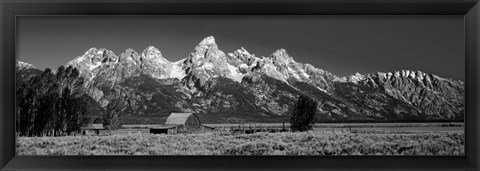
[[304, 114], [111, 120]]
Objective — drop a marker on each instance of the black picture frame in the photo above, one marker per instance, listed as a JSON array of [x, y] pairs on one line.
[[9, 9]]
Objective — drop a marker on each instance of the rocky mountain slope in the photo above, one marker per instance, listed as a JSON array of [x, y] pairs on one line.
[[24, 71], [240, 87], [437, 97]]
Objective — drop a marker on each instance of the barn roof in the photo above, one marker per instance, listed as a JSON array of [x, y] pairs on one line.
[[206, 126], [178, 118], [93, 126]]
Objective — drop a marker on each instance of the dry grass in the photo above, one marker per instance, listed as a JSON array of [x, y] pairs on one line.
[[307, 143]]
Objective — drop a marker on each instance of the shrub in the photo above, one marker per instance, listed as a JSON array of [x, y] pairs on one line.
[[298, 143]]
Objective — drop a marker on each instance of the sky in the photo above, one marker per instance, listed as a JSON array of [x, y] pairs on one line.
[[342, 45]]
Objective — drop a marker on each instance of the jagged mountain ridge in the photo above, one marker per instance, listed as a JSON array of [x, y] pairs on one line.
[[240, 87], [434, 95], [206, 61]]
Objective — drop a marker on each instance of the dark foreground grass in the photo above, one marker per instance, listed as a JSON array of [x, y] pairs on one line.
[[307, 143]]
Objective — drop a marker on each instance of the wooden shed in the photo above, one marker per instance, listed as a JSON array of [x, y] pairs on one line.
[[92, 129], [181, 123]]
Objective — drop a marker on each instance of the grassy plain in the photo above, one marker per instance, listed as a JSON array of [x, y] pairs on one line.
[[286, 143]]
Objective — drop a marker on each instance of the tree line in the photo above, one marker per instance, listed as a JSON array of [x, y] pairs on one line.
[[51, 104]]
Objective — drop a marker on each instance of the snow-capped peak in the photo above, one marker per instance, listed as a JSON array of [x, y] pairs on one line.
[[357, 77], [208, 40], [352, 78], [281, 56], [90, 51], [409, 74], [243, 51], [24, 65], [280, 52], [152, 49], [91, 59], [152, 52]]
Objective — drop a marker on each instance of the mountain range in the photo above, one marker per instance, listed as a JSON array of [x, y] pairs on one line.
[[240, 87]]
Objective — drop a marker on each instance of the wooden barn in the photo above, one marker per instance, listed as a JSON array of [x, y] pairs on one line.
[[165, 129], [181, 123], [92, 129]]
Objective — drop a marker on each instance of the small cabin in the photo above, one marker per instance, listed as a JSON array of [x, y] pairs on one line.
[[92, 129], [181, 123]]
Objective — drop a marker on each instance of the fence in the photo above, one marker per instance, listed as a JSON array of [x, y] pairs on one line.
[[250, 129]]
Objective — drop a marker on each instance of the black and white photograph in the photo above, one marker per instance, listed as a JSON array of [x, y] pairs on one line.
[[326, 85]]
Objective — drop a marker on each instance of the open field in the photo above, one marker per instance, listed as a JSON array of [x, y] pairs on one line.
[[305, 143]]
